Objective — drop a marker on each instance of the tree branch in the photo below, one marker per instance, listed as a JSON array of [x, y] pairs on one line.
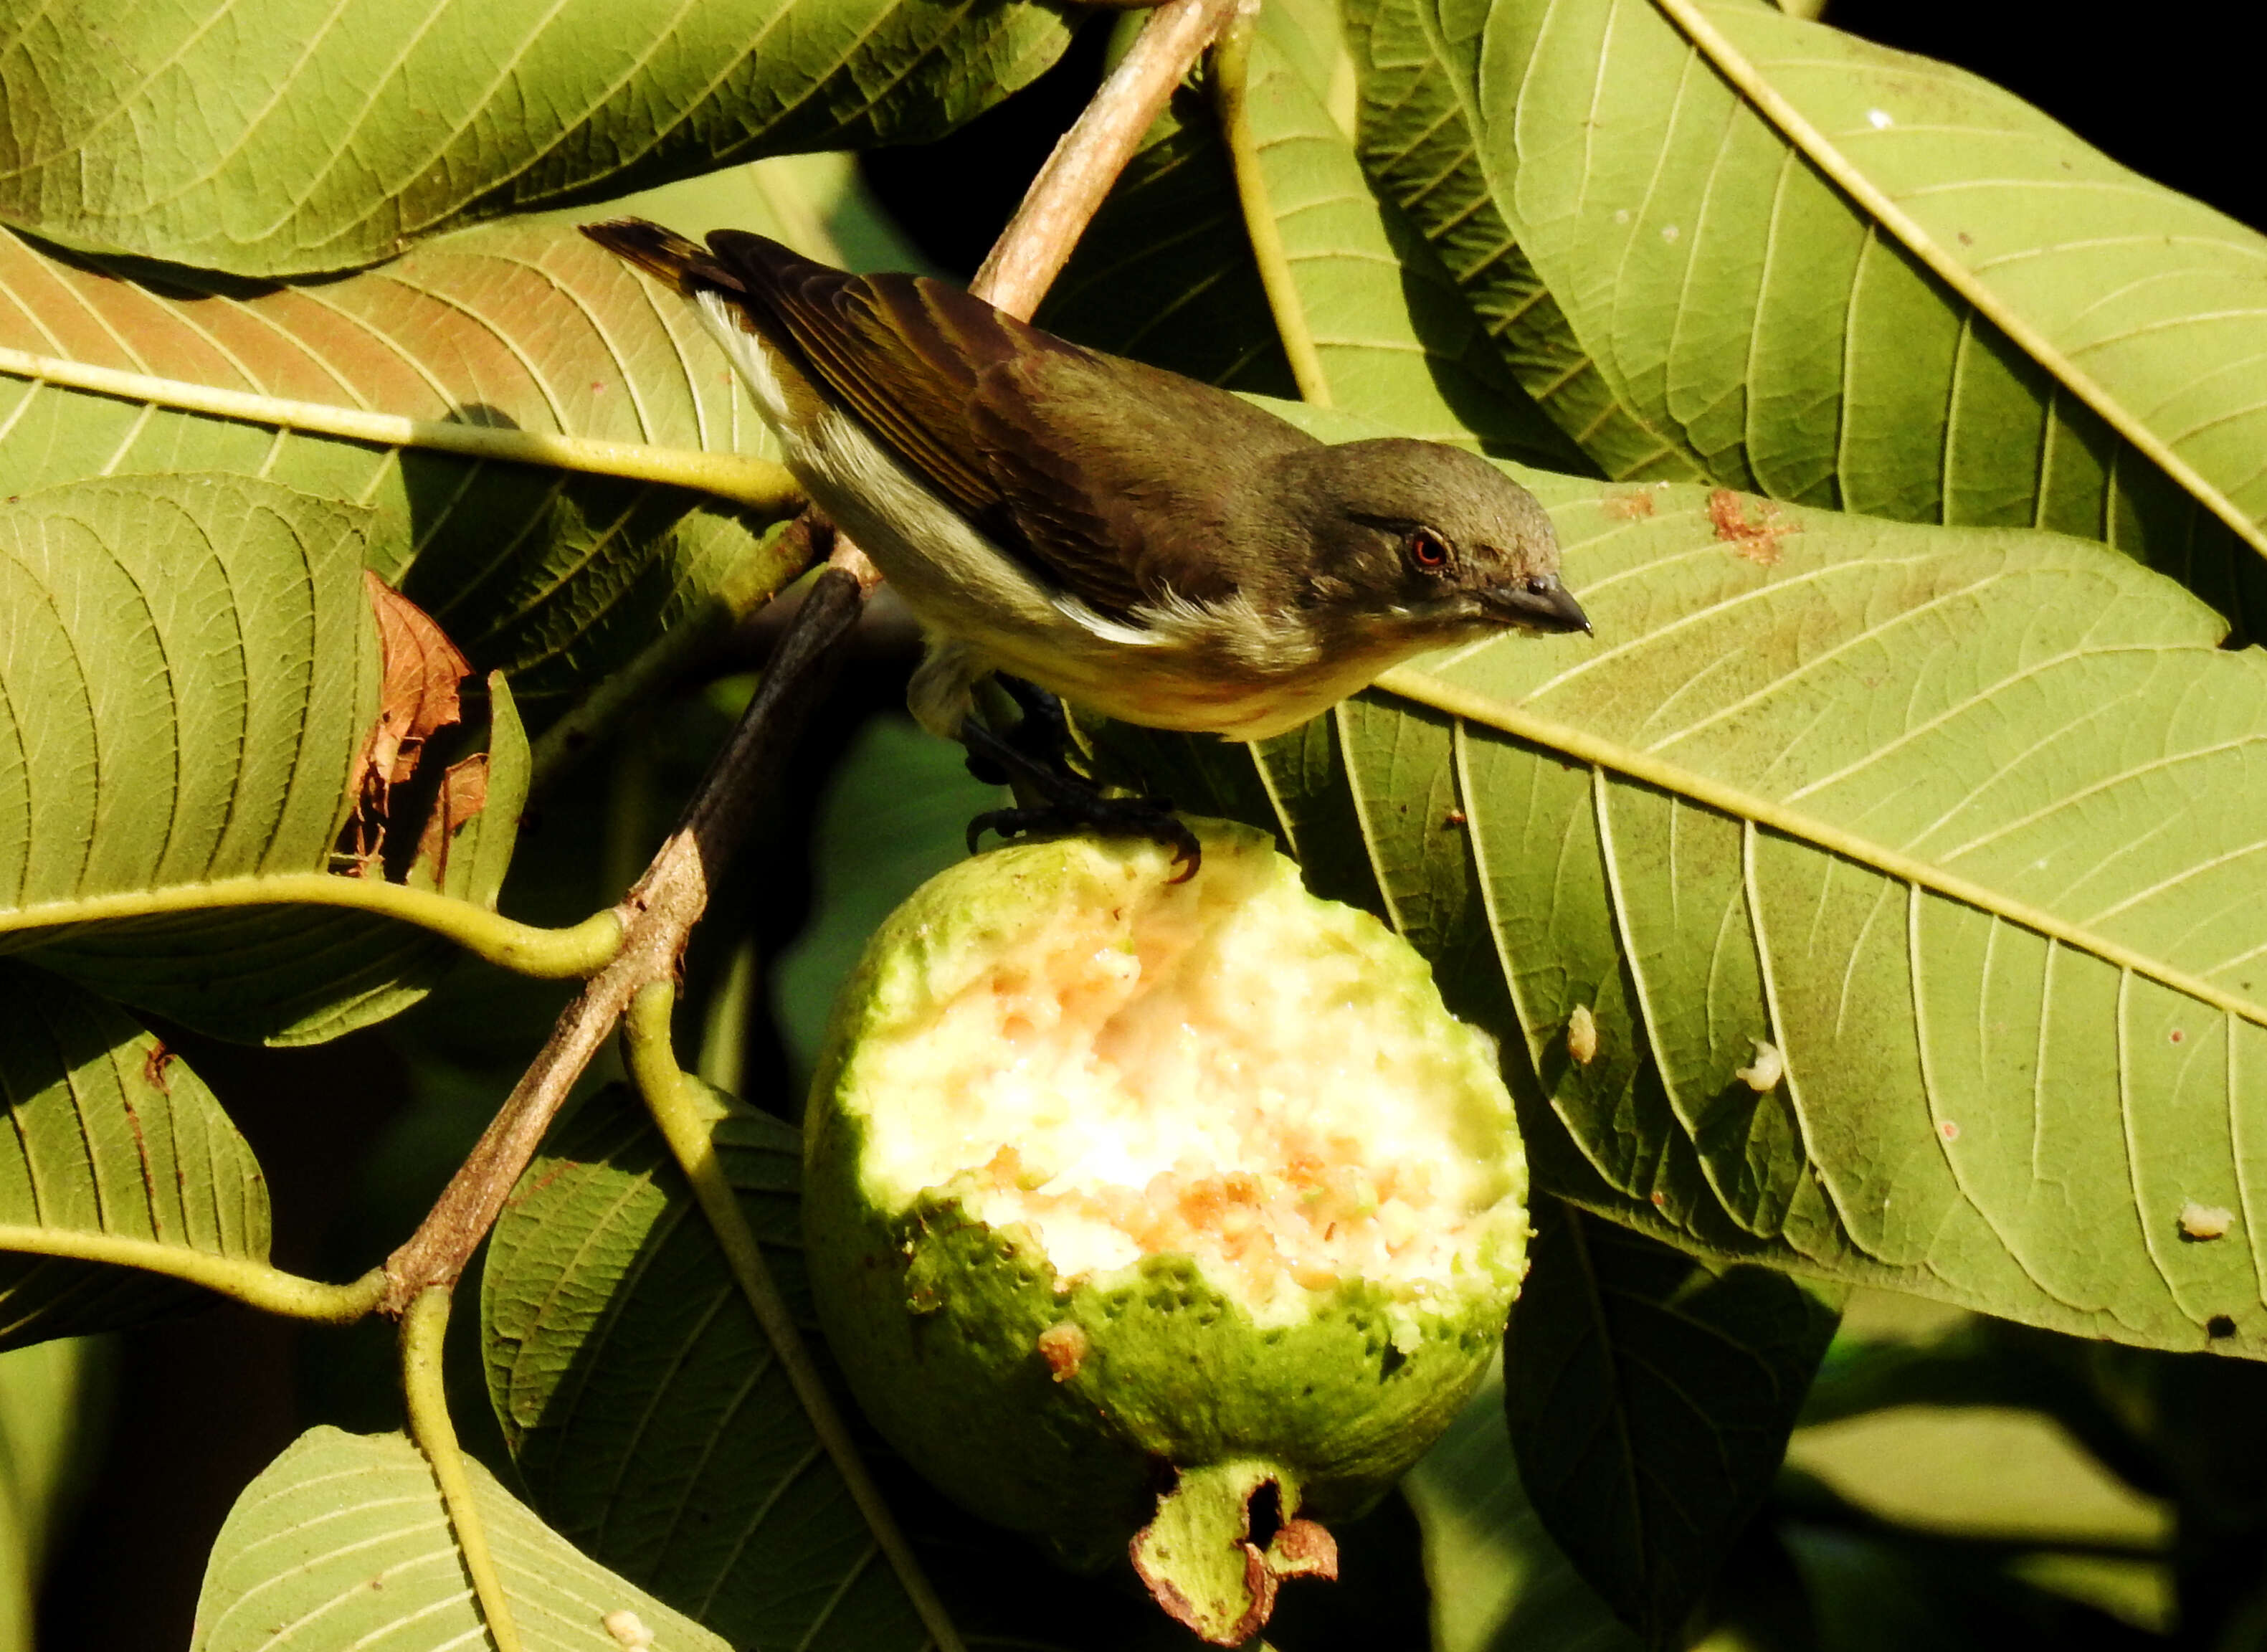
[[656, 916], [1069, 189]]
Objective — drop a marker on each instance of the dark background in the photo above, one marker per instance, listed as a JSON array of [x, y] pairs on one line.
[[354, 1149]]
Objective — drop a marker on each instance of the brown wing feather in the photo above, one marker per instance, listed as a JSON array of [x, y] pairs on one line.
[[840, 324], [662, 253], [1073, 462], [1160, 468]]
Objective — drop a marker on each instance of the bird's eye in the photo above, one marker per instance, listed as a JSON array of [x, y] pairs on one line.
[[1428, 550]]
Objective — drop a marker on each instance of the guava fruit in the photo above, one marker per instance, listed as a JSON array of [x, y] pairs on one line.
[[1126, 1200]]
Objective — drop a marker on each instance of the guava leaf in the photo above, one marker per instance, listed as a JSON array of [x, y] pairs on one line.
[[554, 575], [363, 126], [107, 1133], [1963, 824], [1650, 1398], [1718, 241], [1394, 336], [1423, 143], [895, 813], [50, 1405], [646, 1414], [190, 665], [1498, 1583], [187, 684], [342, 1542], [305, 975]]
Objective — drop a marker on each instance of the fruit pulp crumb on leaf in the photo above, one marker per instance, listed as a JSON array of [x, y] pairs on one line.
[[1226, 1069]]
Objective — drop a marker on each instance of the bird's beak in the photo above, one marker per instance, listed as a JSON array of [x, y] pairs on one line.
[[1538, 603]]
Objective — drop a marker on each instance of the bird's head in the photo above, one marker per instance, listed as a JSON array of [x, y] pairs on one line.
[[1431, 539]]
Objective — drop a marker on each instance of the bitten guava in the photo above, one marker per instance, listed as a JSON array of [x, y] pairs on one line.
[[1127, 1199]]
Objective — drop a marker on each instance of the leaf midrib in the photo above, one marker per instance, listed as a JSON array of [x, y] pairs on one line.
[[1423, 689], [743, 478]]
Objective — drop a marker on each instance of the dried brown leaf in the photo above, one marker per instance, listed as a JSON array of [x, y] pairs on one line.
[[464, 793], [417, 698]]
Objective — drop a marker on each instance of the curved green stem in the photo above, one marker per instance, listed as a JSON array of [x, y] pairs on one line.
[[1229, 83], [424, 1329], [653, 1068], [254, 1284], [580, 950]]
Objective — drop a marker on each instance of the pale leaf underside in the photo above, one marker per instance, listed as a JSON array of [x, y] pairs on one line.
[[186, 675], [108, 1135], [553, 575], [342, 1541], [187, 683], [1833, 274]]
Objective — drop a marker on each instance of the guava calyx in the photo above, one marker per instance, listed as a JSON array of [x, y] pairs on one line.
[[1199, 1561]]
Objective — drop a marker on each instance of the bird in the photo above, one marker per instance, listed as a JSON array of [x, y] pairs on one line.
[[1139, 543]]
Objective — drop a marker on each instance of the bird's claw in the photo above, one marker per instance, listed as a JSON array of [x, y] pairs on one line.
[[1032, 754], [1151, 818]]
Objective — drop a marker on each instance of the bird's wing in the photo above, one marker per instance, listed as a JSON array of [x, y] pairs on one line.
[[1072, 462], [907, 354], [843, 328], [1093, 448], [1075, 463]]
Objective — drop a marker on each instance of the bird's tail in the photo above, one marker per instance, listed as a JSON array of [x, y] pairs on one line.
[[664, 254]]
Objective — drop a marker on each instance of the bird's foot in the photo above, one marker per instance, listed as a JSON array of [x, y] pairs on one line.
[[1068, 802], [1150, 818], [1041, 735]]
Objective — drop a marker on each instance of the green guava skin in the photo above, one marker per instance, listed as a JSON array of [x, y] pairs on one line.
[[935, 1318]]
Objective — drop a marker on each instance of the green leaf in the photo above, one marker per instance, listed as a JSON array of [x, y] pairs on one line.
[[363, 126], [342, 1542], [1963, 1360], [1419, 134], [308, 975], [895, 814], [1395, 337], [650, 1421], [108, 1137], [1498, 1583], [190, 665], [1650, 1398], [555, 575], [1963, 824], [1997, 1474], [187, 684], [50, 1412], [1830, 273]]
